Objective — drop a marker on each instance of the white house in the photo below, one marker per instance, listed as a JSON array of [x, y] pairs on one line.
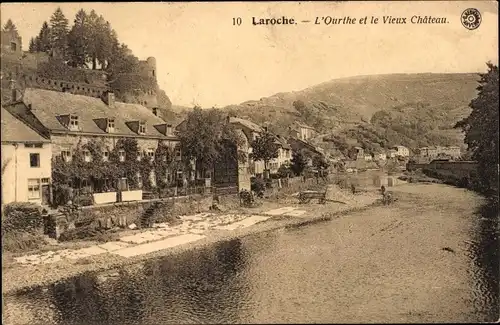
[[401, 151], [26, 163]]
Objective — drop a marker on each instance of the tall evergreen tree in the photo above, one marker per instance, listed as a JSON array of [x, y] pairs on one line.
[[9, 26], [42, 41], [32, 46], [59, 33], [91, 23], [78, 40]]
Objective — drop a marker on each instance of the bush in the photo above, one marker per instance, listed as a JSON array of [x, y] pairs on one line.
[[61, 195], [23, 217], [257, 185], [19, 241], [246, 198]]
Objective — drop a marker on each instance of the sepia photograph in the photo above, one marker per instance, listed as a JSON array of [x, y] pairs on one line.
[[250, 162]]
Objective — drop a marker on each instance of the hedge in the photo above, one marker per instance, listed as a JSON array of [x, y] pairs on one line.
[[22, 216]]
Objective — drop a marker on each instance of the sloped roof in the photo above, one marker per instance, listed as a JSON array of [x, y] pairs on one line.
[[302, 125], [14, 130], [283, 143], [249, 124], [46, 105]]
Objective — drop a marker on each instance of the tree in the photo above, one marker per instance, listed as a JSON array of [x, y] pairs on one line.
[[481, 129], [298, 162], [59, 33], [319, 161], [78, 40], [42, 41], [32, 46], [207, 137], [264, 148], [10, 27]]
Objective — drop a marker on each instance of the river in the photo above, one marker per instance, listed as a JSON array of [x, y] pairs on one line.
[[428, 258]]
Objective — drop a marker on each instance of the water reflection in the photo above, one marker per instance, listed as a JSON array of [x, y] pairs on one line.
[[484, 252]]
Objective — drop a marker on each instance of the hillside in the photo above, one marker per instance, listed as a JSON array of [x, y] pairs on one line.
[[408, 109]]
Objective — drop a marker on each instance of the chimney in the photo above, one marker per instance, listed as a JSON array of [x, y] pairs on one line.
[[109, 98], [169, 129]]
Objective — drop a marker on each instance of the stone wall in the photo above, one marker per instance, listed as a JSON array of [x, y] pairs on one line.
[[123, 214]]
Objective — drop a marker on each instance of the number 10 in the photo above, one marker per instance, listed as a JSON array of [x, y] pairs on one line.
[[237, 21]]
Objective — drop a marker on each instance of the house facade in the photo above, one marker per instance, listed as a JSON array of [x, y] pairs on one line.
[[26, 163], [301, 131], [433, 152], [401, 151], [71, 121], [284, 155]]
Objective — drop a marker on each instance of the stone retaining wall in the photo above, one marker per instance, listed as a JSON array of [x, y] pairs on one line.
[[123, 214]]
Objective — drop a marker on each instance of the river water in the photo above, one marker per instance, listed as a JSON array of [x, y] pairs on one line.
[[307, 274]]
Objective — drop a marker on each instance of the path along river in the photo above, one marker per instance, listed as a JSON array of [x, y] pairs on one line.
[[428, 258]]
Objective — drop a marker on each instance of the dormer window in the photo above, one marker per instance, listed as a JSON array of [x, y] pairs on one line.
[[73, 123], [142, 128], [111, 125]]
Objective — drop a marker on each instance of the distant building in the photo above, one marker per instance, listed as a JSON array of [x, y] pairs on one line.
[[368, 157], [26, 163], [284, 155], [433, 152], [380, 156], [301, 131], [391, 153], [358, 153], [299, 145], [401, 151]]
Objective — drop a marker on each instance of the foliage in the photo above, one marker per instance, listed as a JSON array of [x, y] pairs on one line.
[[9, 26], [319, 161], [264, 148], [20, 241], [258, 185], [59, 32], [298, 162], [285, 171], [207, 137], [22, 216], [481, 129], [163, 163], [246, 198]]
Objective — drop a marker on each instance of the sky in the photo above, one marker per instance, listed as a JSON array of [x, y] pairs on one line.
[[203, 59]]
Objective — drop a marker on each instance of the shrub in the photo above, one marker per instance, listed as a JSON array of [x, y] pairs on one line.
[[246, 198], [22, 216], [18, 241], [61, 194], [257, 185]]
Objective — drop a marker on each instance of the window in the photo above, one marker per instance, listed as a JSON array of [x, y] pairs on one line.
[[13, 46], [34, 160], [66, 155], [111, 125], [33, 145], [151, 153], [105, 155], [140, 154], [73, 122], [33, 188], [142, 128], [121, 155], [178, 154], [45, 180], [86, 156]]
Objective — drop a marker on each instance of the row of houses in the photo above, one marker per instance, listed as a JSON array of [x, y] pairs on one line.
[[39, 125]]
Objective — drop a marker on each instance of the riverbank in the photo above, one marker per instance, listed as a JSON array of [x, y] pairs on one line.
[[49, 267], [416, 256]]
